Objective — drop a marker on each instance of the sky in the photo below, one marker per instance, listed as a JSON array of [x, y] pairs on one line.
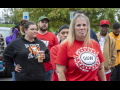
[[1, 9]]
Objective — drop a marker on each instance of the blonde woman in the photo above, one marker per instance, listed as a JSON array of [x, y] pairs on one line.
[[80, 55]]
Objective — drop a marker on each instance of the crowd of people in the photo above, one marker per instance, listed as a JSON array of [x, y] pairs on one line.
[[81, 54]]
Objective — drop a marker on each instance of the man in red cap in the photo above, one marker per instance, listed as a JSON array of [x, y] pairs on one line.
[[108, 47]]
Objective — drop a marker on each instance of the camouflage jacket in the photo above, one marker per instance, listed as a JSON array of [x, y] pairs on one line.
[[2, 45]]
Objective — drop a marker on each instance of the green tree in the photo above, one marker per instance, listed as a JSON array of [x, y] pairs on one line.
[[60, 16]]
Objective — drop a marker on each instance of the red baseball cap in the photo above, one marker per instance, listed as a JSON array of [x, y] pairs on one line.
[[102, 22]]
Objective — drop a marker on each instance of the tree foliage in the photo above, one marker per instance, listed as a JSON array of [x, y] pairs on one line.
[[60, 16]]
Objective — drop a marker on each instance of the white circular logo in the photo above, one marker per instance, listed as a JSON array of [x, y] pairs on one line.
[[88, 58]]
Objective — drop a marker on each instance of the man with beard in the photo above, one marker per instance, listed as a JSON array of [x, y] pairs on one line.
[[108, 47], [115, 75], [49, 40]]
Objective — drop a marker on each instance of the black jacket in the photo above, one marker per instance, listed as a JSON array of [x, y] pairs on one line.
[[93, 35], [23, 52]]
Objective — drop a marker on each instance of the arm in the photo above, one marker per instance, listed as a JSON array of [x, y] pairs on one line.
[[47, 56], [53, 56], [8, 39], [8, 55], [14, 34], [113, 53], [101, 72], [60, 70], [61, 62]]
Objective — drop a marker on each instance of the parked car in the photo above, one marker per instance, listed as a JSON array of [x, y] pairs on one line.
[[5, 31]]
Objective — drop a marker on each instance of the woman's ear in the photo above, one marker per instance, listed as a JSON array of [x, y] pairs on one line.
[[59, 34], [25, 30]]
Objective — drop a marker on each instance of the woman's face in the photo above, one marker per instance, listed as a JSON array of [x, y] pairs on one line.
[[32, 31], [80, 29]]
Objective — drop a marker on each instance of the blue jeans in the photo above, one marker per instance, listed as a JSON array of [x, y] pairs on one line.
[[49, 75], [13, 74]]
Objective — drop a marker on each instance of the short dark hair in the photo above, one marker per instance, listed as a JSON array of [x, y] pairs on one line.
[[27, 24], [116, 25], [65, 26], [17, 26], [78, 11]]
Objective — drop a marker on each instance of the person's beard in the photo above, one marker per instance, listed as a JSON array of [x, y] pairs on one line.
[[43, 29], [116, 34]]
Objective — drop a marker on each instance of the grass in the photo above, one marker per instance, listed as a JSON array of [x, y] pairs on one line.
[[7, 25]]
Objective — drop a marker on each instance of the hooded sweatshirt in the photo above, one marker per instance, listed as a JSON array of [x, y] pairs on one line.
[[24, 53]]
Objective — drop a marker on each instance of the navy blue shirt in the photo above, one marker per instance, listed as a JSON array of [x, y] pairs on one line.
[[93, 35]]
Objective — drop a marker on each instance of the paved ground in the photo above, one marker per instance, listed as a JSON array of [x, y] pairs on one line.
[[3, 78]]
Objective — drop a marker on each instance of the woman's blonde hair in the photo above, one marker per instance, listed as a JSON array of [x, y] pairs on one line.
[[71, 36]]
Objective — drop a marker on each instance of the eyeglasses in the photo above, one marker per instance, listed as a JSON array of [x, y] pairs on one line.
[[63, 32], [104, 26]]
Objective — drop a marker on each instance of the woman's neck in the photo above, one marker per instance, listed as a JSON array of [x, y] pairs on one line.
[[80, 39], [29, 39]]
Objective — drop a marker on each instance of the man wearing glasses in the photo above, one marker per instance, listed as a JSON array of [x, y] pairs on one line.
[[108, 47]]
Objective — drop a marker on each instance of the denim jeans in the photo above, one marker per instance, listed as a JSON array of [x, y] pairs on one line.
[[13, 74], [49, 75]]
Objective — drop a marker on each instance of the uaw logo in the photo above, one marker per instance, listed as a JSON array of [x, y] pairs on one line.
[[86, 59]]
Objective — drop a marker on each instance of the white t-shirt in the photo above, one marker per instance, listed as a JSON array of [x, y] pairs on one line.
[[101, 42]]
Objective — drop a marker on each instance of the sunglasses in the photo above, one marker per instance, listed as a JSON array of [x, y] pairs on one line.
[[102, 26]]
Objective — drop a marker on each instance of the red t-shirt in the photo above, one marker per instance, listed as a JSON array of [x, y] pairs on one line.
[[49, 40], [82, 63], [53, 55]]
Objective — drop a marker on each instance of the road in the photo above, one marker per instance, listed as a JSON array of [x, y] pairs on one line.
[[3, 78]]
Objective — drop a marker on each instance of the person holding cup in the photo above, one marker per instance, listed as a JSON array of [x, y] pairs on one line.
[[24, 52]]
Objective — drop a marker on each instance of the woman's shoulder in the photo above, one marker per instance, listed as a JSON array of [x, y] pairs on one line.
[[55, 48], [64, 43], [40, 41], [15, 41]]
